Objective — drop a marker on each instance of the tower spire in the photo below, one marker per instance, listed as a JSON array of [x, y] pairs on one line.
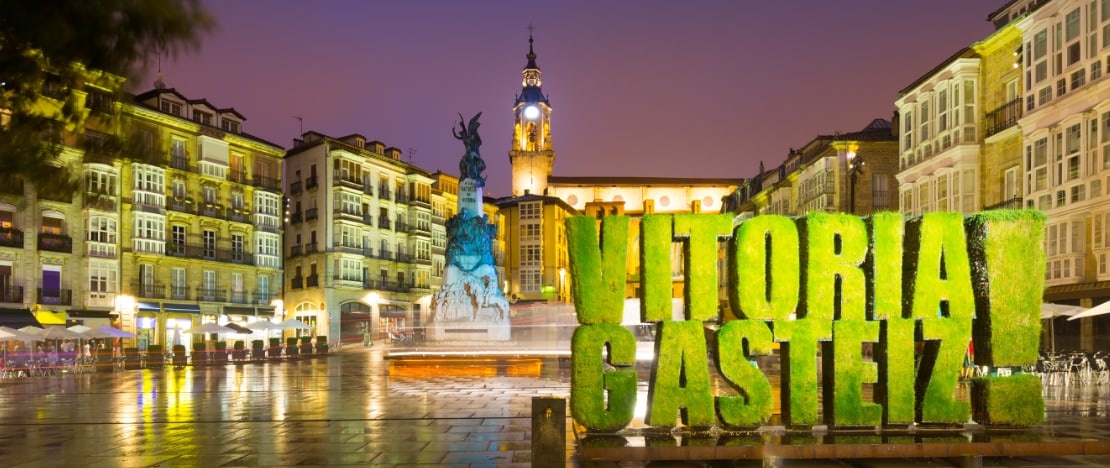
[[531, 52]]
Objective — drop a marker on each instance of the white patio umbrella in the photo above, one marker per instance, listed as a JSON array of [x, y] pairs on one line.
[[1100, 309], [114, 332], [1050, 311], [58, 332], [294, 324], [210, 327]]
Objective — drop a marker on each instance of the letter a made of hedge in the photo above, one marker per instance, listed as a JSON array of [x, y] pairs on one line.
[[680, 376], [590, 382], [754, 404], [598, 272], [758, 287]]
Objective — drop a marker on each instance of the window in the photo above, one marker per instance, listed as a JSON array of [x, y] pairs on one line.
[[268, 249], [202, 117], [530, 210], [263, 289], [1040, 55], [100, 182], [149, 226], [177, 239], [229, 125], [1078, 78], [170, 107], [350, 269], [102, 234], [1010, 187], [103, 277], [208, 243], [179, 190], [179, 288], [208, 292], [177, 150], [237, 247], [530, 232]]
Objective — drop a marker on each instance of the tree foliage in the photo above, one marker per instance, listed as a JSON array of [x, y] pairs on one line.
[[50, 48]]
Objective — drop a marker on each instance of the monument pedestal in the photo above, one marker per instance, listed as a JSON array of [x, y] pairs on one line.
[[469, 307]]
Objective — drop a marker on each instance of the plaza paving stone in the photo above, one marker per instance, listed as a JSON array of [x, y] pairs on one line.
[[347, 409]]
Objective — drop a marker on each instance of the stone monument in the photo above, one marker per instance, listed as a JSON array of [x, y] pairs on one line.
[[470, 306]]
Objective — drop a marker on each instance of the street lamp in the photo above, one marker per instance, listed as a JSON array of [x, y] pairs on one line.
[[855, 169]]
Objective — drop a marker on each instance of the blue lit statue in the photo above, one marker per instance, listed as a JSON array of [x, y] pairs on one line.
[[471, 165]]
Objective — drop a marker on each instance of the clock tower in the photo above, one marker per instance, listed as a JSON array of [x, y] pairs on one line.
[[530, 154]]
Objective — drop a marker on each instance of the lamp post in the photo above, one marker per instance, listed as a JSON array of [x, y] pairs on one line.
[[372, 298], [855, 168]]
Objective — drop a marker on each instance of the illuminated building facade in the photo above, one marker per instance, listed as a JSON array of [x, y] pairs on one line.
[[360, 236], [200, 223]]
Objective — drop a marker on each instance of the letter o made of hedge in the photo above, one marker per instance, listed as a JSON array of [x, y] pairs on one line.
[[764, 271]]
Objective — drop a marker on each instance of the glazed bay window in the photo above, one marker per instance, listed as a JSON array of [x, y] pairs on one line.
[[149, 185], [268, 249], [103, 283], [1036, 163], [350, 269], [1064, 246], [149, 231], [102, 234]]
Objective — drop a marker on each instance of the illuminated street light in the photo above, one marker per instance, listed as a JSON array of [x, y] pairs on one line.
[[855, 169]]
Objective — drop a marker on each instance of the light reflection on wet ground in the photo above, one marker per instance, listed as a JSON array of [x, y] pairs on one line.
[[351, 408]]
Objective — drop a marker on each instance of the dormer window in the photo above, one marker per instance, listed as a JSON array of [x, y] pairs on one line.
[[202, 117], [170, 107], [229, 125]]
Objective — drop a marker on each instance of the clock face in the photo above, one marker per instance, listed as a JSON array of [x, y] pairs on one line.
[[531, 112]]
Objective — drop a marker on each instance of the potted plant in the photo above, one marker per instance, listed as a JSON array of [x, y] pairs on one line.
[[291, 346], [306, 345], [321, 344], [257, 350], [240, 352], [179, 357], [200, 354], [155, 357], [132, 359], [221, 352]]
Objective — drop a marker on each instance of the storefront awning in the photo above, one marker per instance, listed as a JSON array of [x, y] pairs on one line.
[[83, 313], [18, 318], [49, 317], [148, 306], [239, 310], [187, 308], [265, 311]]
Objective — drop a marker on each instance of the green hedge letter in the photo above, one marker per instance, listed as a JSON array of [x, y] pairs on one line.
[[834, 246], [602, 400], [799, 367], [680, 376], [759, 288], [754, 405], [598, 273], [702, 233], [940, 290], [655, 268], [845, 373]]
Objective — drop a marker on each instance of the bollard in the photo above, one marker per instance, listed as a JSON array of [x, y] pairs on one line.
[[549, 432]]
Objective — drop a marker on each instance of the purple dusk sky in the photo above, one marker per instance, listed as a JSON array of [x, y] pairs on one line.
[[638, 88]]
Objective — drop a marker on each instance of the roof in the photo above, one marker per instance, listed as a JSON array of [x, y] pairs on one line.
[[966, 52], [649, 181], [547, 200], [532, 94]]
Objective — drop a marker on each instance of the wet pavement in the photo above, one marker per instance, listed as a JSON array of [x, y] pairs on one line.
[[355, 408]]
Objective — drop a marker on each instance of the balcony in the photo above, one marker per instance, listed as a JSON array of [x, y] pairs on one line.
[[341, 281], [345, 248], [183, 205], [100, 201], [238, 297], [346, 179], [149, 291], [311, 214], [11, 294], [368, 220], [421, 202], [212, 294], [1005, 116], [295, 251], [11, 237], [238, 216], [297, 282], [352, 213], [311, 183], [383, 222], [55, 242], [422, 230], [401, 197], [384, 193], [1014, 203], [181, 162], [400, 226], [310, 248], [262, 297], [55, 296], [296, 217], [237, 176], [385, 255], [179, 292], [422, 259], [212, 210], [312, 281], [266, 183], [403, 257], [295, 188]]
